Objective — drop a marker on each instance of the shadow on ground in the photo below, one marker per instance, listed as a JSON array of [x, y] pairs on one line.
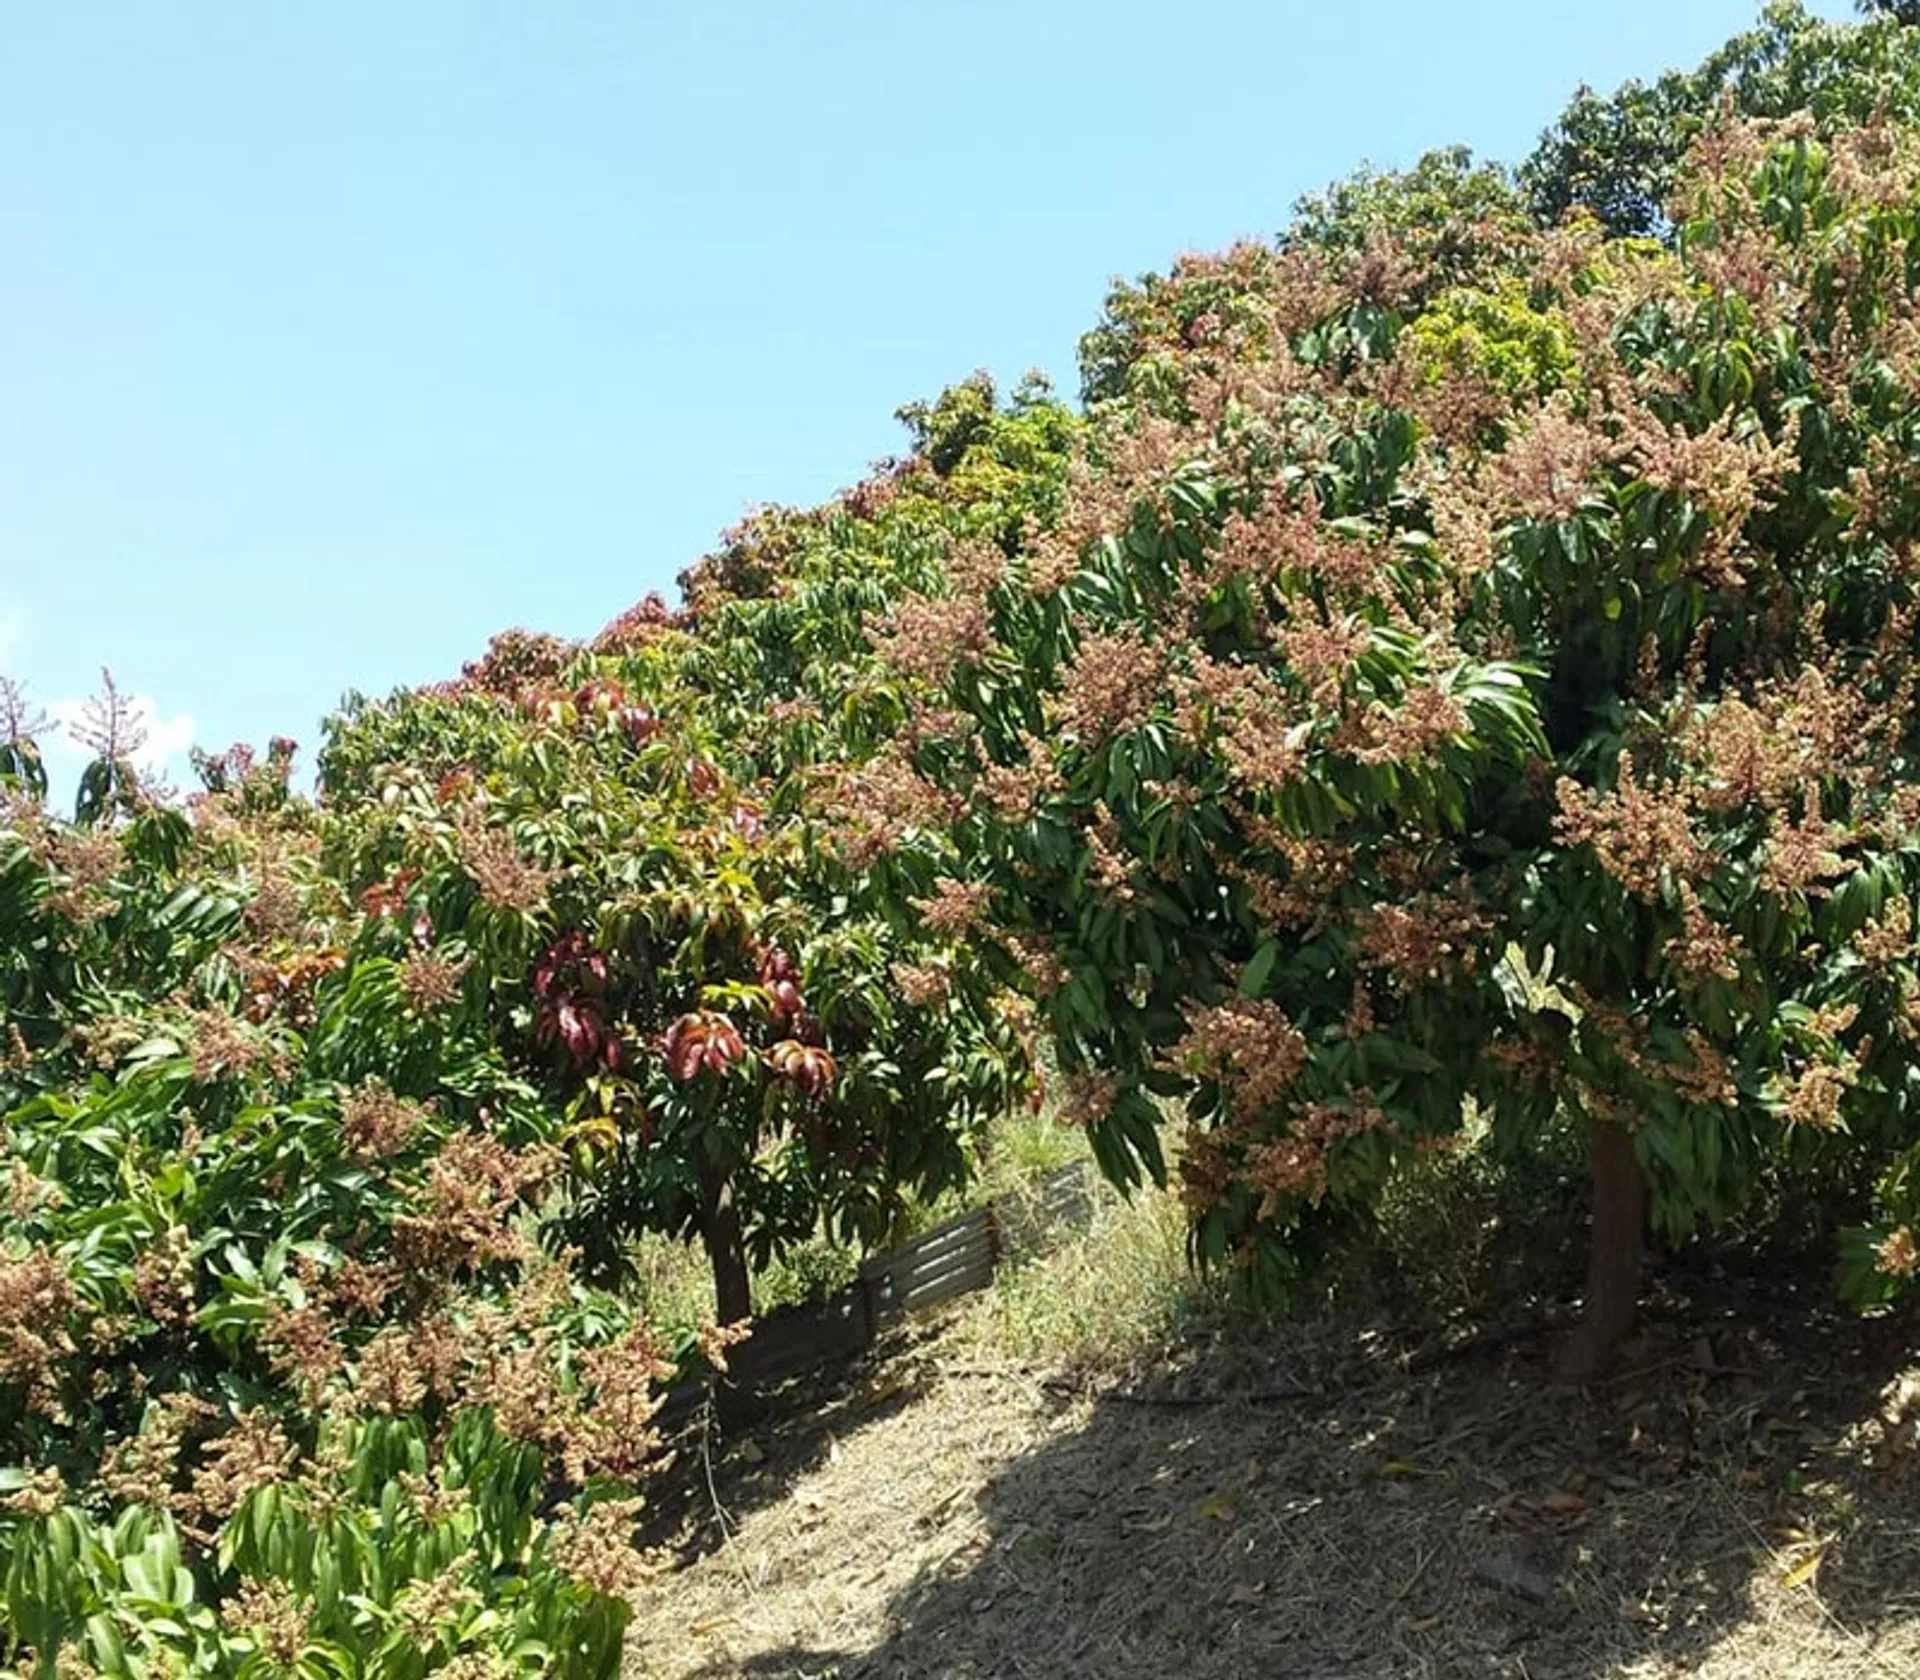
[[758, 1448], [1737, 1505]]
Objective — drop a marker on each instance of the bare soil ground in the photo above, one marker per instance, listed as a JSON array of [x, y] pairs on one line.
[[1320, 1499]]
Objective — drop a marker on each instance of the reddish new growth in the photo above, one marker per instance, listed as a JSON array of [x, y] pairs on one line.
[[516, 660], [389, 897], [779, 974], [570, 980], [282, 988], [808, 1066], [604, 704], [641, 624], [702, 1041]]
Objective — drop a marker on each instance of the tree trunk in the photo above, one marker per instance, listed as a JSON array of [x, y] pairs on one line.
[[726, 1247], [1613, 1261]]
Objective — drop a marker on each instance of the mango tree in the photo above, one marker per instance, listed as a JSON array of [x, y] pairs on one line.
[[293, 1378], [1401, 648], [742, 1045]]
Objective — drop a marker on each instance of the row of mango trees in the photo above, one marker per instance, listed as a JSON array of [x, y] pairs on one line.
[[330, 1129], [1457, 672]]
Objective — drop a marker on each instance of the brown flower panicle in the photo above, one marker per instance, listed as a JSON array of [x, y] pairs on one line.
[[1431, 938], [1636, 832], [38, 1306], [1898, 1254], [922, 984], [376, 1125], [270, 1618], [1109, 688], [955, 908], [507, 879], [430, 980], [253, 1454], [468, 1206], [596, 1548], [1249, 1046], [163, 1278]]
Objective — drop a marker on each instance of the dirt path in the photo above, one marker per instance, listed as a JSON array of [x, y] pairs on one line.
[[1742, 1511]]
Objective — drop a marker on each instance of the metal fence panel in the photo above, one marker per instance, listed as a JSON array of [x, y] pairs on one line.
[[953, 1259]]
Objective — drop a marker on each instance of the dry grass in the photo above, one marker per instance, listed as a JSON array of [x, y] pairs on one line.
[[1120, 1287], [1192, 1496]]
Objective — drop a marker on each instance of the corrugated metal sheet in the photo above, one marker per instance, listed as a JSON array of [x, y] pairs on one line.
[[792, 1339], [952, 1259], [947, 1261], [1031, 1223]]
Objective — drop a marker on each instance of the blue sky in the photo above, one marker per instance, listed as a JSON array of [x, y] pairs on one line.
[[334, 339]]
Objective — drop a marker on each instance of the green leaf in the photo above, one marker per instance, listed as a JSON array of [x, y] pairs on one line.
[[1259, 969]]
